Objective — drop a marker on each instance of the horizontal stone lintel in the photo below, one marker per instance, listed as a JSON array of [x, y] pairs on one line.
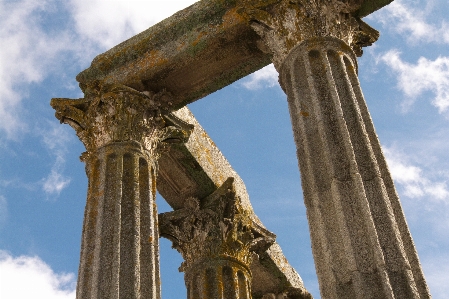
[[191, 54]]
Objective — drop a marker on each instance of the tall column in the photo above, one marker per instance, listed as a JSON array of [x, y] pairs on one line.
[[123, 131], [360, 240], [217, 239]]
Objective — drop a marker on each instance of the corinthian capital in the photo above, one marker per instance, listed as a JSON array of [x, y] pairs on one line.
[[119, 113], [283, 24], [217, 228]]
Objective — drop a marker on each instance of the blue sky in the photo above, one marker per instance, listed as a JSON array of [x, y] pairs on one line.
[[44, 44]]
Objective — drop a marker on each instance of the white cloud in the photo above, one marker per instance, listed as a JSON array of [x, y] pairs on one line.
[[29, 51], [109, 22], [55, 182], [415, 182], [26, 53], [425, 75], [400, 17], [56, 139], [265, 77], [30, 277], [32, 52]]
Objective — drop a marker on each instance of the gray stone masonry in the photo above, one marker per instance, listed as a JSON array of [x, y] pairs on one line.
[[123, 131], [119, 252], [360, 240], [217, 239]]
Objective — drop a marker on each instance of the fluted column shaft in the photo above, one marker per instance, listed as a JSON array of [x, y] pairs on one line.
[[360, 240], [220, 278], [123, 131], [120, 250]]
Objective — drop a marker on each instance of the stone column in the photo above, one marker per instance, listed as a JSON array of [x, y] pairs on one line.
[[360, 240], [123, 131], [217, 239]]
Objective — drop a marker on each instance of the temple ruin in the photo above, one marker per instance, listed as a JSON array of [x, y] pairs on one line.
[[140, 137]]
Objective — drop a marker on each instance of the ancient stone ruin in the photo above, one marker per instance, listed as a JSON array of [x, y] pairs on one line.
[[140, 137]]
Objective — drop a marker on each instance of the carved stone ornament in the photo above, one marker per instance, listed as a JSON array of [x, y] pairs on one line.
[[283, 24], [217, 228], [117, 113]]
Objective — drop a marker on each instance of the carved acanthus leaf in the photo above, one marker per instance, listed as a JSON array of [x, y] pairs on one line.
[[118, 113], [219, 228], [175, 130], [283, 24]]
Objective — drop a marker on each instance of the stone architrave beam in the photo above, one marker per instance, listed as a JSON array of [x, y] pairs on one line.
[[191, 54]]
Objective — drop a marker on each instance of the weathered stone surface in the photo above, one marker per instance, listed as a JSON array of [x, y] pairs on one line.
[[370, 6], [115, 113], [195, 169], [360, 240], [357, 227], [120, 248], [124, 132], [203, 169], [272, 274], [219, 226], [209, 160], [216, 236], [284, 24], [193, 53]]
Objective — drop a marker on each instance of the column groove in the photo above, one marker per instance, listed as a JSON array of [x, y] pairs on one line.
[[123, 131], [408, 244], [356, 206], [93, 170], [130, 231], [108, 282], [307, 134], [337, 166], [355, 237]]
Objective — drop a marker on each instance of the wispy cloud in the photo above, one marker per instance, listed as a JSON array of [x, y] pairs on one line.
[[412, 179], [30, 277], [400, 17], [265, 77], [56, 139], [30, 52], [56, 181], [25, 55], [108, 24], [424, 76]]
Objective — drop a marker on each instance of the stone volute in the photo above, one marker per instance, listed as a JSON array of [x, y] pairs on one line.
[[217, 239], [360, 240], [124, 132]]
